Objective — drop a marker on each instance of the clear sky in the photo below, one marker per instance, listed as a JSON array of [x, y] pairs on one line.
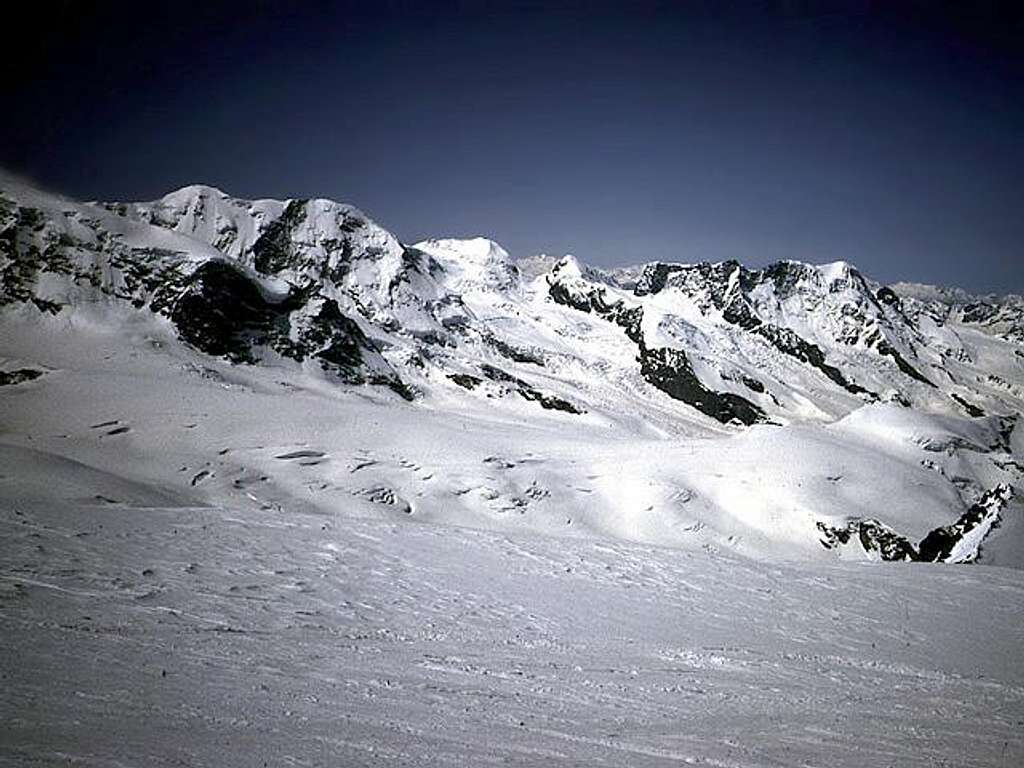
[[887, 134]]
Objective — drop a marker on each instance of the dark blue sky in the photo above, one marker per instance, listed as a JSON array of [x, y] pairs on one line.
[[887, 134]]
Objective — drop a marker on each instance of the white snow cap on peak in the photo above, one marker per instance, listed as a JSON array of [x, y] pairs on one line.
[[836, 270], [473, 262], [191, 192], [568, 266], [480, 250]]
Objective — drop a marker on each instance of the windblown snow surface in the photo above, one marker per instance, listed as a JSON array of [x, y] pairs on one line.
[[496, 523]]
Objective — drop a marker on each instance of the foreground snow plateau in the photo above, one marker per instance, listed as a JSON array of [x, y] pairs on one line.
[[163, 635]]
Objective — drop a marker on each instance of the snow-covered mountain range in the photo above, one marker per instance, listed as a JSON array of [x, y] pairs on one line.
[[795, 411]]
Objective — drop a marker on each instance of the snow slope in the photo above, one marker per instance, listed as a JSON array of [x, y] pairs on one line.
[[142, 630], [275, 486]]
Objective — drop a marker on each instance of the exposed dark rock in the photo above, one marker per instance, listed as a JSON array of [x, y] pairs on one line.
[[592, 300], [1006, 426], [465, 380], [654, 277], [897, 397], [790, 343], [785, 275], [8, 378], [950, 445], [1004, 318], [395, 384], [45, 305], [528, 392], [938, 545], [223, 313], [670, 371], [549, 402], [595, 301], [275, 248], [516, 354], [727, 287], [972, 410], [753, 384], [338, 340], [156, 275], [496, 374], [873, 535], [887, 296], [884, 348], [711, 283], [739, 313], [412, 261], [979, 312], [433, 338], [25, 260]]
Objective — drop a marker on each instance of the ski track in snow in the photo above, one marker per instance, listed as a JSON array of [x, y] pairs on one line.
[[203, 636]]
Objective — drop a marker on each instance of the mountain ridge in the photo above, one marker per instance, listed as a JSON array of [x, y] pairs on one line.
[[659, 351]]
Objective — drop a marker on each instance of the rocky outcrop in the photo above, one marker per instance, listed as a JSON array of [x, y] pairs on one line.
[[524, 389], [276, 249], [18, 376], [754, 300], [215, 303], [668, 370], [790, 343], [959, 542], [873, 536], [945, 544], [223, 313]]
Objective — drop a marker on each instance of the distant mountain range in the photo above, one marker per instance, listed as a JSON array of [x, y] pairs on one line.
[[662, 352]]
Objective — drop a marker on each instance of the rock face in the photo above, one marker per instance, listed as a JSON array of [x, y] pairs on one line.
[[19, 376], [959, 542], [670, 371], [223, 313], [271, 288], [847, 311], [872, 535]]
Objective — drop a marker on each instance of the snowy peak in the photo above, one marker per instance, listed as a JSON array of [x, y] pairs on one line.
[[786, 343], [825, 305], [473, 250], [318, 246], [794, 284], [304, 237], [206, 214], [472, 264]]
